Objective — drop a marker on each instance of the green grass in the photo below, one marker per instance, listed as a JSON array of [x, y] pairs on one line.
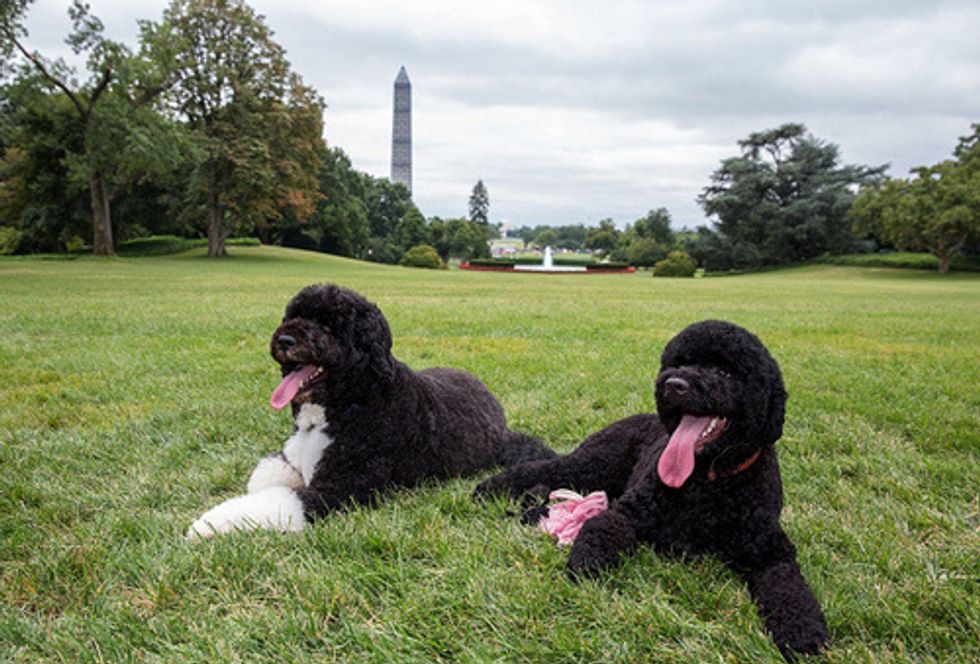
[[133, 395]]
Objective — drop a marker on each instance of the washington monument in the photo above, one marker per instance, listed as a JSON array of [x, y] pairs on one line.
[[401, 131]]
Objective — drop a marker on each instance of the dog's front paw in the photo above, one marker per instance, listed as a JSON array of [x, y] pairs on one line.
[[600, 545], [583, 565], [789, 609], [202, 529], [273, 508]]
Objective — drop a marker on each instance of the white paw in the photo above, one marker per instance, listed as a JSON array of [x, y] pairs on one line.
[[274, 471], [272, 508]]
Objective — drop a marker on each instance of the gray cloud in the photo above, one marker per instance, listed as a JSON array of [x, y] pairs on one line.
[[575, 111]]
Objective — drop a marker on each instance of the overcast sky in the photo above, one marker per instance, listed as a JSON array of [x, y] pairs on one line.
[[573, 111]]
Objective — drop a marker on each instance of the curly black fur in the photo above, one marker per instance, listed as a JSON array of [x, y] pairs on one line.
[[390, 426], [729, 506]]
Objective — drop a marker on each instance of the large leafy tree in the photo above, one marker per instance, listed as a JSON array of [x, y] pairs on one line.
[[411, 230], [121, 137], [357, 215], [784, 199], [257, 126], [341, 218], [937, 208], [40, 131], [387, 203], [604, 238], [655, 226], [479, 204]]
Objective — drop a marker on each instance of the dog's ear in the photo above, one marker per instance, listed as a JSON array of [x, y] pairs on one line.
[[382, 362], [771, 429], [373, 337]]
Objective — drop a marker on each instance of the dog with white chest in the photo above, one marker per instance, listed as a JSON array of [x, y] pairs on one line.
[[363, 421]]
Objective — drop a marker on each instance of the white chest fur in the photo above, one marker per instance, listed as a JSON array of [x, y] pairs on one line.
[[305, 447]]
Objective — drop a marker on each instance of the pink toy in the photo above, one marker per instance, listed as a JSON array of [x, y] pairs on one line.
[[565, 518]]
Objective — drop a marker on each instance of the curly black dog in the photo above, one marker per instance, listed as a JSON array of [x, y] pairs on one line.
[[702, 478], [364, 421]]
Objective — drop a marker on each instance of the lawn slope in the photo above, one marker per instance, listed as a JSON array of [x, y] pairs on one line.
[[133, 394]]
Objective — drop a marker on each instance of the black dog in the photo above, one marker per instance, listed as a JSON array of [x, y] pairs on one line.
[[363, 420], [701, 479]]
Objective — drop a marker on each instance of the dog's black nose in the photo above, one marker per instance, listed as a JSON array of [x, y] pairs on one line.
[[285, 341], [676, 386]]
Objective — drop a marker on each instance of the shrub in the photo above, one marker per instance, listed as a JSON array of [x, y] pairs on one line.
[[74, 244], [132, 232], [9, 240], [491, 262], [562, 259], [574, 259], [677, 264], [610, 266], [915, 261], [422, 255], [161, 245], [242, 242], [645, 252], [156, 245]]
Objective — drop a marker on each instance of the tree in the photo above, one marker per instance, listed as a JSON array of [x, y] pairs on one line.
[[411, 230], [655, 226], [257, 126], [784, 199], [604, 238], [547, 238], [459, 238], [41, 130], [646, 240], [341, 219], [479, 204], [937, 209], [357, 215], [383, 250], [644, 252], [121, 137], [571, 236], [387, 202]]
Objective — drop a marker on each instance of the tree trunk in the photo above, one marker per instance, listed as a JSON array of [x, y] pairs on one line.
[[945, 252], [217, 233], [216, 227], [101, 219]]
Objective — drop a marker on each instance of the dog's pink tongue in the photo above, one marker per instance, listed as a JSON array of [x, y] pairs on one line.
[[677, 460], [290, 385]]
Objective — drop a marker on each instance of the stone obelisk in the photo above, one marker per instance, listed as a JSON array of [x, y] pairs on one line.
[[401, 131]]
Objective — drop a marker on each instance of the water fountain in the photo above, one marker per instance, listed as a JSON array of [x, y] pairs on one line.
[[548, 265]]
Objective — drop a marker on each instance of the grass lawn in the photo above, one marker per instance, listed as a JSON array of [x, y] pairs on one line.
[[133, 395]]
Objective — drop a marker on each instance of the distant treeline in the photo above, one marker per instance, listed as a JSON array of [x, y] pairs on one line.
[[204, 131]]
